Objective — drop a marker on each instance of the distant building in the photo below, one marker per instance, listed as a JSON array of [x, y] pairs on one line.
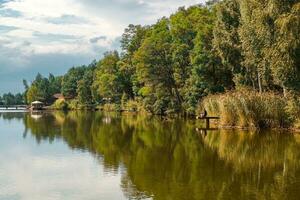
[[37, 105], [58, 96], [61, 96]]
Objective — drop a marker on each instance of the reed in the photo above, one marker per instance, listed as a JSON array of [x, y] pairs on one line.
[[293, 108], [252, 109]]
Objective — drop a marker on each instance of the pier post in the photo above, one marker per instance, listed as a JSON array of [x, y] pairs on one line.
[[207, 123]]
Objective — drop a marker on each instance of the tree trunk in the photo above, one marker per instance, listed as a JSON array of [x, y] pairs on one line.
[[285, 91], [259, 83], [178, 95]]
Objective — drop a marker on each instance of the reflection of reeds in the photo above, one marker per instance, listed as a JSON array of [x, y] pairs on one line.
[[249, 109], [244, 150]]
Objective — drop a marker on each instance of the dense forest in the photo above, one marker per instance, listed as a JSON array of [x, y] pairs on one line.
[[170, 66]]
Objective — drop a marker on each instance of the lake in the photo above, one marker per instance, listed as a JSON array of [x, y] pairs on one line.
[[89, 155]]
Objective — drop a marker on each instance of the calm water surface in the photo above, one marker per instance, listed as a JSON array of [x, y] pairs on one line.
[[91, 156]]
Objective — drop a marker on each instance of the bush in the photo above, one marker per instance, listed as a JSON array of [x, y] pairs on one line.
[[249, 109], [75, 105], [134, 106], [111, 107], [60, 104], [293, 109]]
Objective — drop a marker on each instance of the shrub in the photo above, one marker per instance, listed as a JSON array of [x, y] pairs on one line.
[[133, 106], [111, 107], [60, 104], [75, 105]]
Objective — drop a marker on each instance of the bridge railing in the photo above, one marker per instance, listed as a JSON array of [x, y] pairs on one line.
[[12, 107]]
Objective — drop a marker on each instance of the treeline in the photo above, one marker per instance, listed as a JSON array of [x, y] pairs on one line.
[[9, 99], [170, 66], [42, 89]]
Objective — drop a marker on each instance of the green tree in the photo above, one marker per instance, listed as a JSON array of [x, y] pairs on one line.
[[285, 52], [131, 41], [84, 88], [39, 90], [107, 77], [226, 39], [55, 84], [19, 99], [33, 94], [8, 99], [156, 72], [256, 34], [70, 81]]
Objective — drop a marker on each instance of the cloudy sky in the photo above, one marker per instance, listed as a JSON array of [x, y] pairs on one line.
[[53, 35]]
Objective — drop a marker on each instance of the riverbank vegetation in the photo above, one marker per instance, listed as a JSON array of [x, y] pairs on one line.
[[252, 109], [204, 50]]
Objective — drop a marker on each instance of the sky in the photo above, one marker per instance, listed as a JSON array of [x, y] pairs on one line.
[[50, 36]]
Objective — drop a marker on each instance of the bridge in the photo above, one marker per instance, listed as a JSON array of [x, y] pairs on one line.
[[13, 107]]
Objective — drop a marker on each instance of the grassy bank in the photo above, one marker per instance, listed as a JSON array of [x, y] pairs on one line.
[[74, 104], [128, 106], [254, 110], [245, 109]]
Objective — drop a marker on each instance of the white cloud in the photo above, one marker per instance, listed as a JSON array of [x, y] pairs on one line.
[[33, 29], [99, 18], [35, 19], [164, 8], [19, 33]]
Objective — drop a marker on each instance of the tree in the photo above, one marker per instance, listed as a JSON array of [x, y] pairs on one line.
[[33, 94], [131, 41], [226, 40], [107, 77], [183, 31], [8, 99], [155, 70], [55, 84], [256, 34], [285, 51], [39, 90], [70, 81], [84, 88], [259, 41], [19, 99], [198, 71]]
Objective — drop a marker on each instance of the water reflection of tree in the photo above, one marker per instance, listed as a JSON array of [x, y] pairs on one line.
[[11, 115], [169, 160], [271, 160]]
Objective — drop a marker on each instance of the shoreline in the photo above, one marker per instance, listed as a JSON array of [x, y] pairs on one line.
[[164, 118]]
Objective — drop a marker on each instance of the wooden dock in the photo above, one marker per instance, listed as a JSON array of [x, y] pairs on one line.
[[207, 120]]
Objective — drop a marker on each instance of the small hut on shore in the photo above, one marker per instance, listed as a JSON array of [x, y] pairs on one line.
[[59, 96], [37, 105]]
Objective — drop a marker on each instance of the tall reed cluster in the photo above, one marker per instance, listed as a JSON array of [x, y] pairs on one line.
[[252, 109]]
